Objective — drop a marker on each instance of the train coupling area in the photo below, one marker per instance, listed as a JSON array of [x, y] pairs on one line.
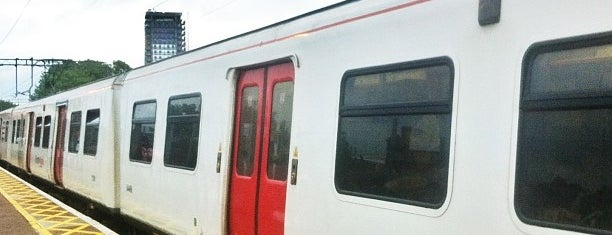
[[45, 214]]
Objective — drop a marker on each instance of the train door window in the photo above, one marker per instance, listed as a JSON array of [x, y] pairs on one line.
[[92, 127], [182, 131], [14, 131], [18, 131], [248, 125], [280, 131], [38, 132], [1, 130], [143, 131], [564, 154], [75, 132], [394, 132], [46, 131]]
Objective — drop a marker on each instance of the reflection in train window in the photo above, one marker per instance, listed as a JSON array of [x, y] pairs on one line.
[[564, 159], [92, 127], [75, 132], [248, 124], [394, 132], [182, 131], [46, 132], [143, 130], [280, 131], [38, 132]]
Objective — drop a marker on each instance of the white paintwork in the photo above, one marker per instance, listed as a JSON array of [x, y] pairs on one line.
[[487, 66]]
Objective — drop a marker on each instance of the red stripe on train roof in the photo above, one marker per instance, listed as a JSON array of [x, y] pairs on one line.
[[320, 28]]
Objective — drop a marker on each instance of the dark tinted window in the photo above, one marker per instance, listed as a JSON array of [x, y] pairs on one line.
[[75, 132], [248, 130], [38, 132], [143, 130], [14, 131], [564, 159], [394, 133], [92, 127], [46, 132], [280, 131], [182, 131]]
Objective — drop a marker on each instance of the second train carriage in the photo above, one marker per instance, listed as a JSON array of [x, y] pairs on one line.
[[365, 117]]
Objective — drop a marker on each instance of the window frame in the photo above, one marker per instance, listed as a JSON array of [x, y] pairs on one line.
[[38, 131], [154, 122], [404, 108], [97, 138], [169, 120], [562, 101], [70, 126], [13, 132], [45, 144]]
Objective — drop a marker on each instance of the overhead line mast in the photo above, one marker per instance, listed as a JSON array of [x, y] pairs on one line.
[[31, 62]]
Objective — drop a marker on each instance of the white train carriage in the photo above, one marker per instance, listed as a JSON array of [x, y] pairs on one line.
[[88, 162], [15, 138], [55, 127], [423, 116]]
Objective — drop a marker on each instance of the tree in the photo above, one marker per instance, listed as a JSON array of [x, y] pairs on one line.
[[6, 105], [71, 74]]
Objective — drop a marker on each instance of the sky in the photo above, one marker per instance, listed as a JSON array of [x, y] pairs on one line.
[[108, 30]]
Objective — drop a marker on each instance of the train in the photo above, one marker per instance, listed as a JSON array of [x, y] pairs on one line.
[[363, 117]]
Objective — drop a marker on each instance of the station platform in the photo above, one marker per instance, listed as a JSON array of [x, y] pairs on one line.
[[25, 209]]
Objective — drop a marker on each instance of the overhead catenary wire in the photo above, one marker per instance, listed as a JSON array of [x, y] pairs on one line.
[[15, 24]]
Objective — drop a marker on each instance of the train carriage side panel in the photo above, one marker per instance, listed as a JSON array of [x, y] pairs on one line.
[[88, 167]]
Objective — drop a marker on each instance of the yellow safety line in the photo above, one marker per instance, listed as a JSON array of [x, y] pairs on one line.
[[31, 205]]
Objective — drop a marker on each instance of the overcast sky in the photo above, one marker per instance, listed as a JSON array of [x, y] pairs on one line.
[[108, 30]]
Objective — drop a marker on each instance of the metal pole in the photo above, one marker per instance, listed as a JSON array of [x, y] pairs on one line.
[[31, 76], [16, 90]]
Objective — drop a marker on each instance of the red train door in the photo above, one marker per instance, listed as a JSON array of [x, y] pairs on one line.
[[59, 145], [29, 142], [260, 154]]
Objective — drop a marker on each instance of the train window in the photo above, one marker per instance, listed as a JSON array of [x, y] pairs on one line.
[[6, 130], [22, 130], [38, 131], [143, 130], [564, 154], [394, 132], [75, 132], [92, 127], [280, 131], [14, 132], [182, 131], [248, 124], [18, 131], [46, 131]]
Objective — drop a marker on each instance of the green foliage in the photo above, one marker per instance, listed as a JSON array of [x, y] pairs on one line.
[[120, 67], [6, 105], [71, 74]]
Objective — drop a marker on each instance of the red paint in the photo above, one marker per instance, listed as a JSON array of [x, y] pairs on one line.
[[29, 143], [257, 203], [59, 145]]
